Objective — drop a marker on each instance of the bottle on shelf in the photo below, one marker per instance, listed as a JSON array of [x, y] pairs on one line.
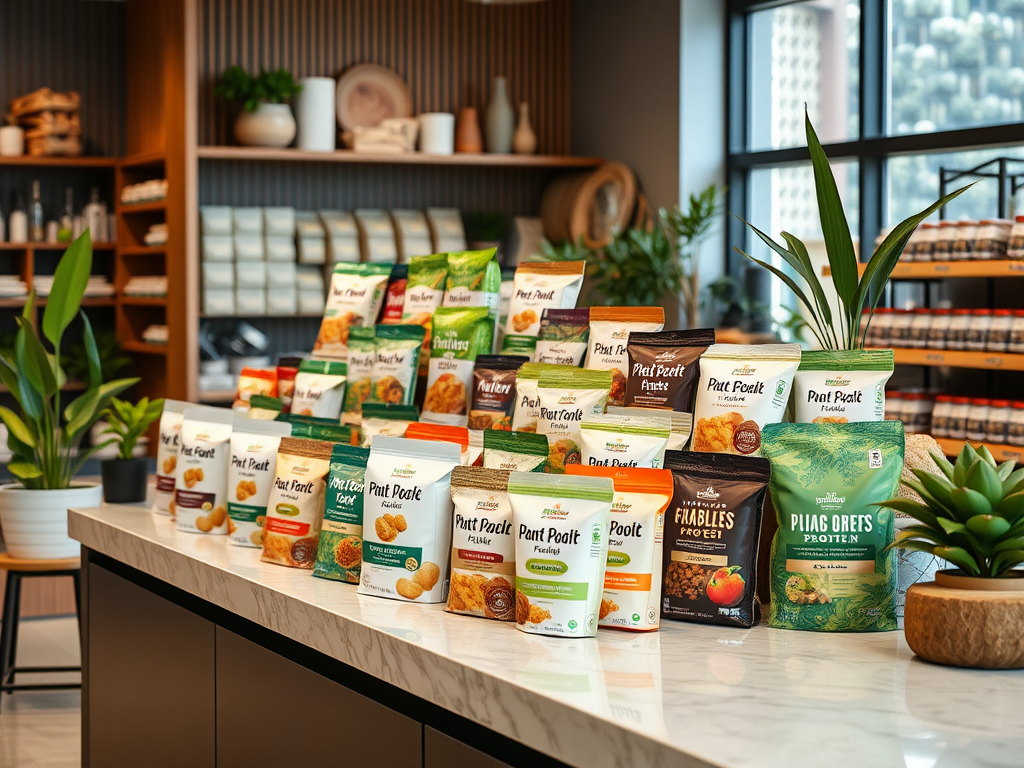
[[18, 224], [66, 227], [37, 227], [95, 215]]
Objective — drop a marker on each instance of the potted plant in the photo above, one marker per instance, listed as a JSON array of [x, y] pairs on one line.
[[44, 437], [972, 516], [265, 120], [125, 477]]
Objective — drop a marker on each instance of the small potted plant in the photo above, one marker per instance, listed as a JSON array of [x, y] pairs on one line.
[[125, 477], [972, 516], [265, 120]]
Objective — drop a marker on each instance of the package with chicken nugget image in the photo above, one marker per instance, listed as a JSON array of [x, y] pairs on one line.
[[204, 456], [254, 445], [339, 552], [459, 336], [354, 299]]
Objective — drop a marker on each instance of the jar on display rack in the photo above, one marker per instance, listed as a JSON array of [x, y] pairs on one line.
[[1015, 248], [880, 330], [939, 328], [1016, 344], [977, 418], [1000, 330], [958, 327], [993, 238], [917, 413], [926, 243], [963, 241], [958, 415], [941, 414], [998, 424], [1015, 429], [893, 406], [899, 332], [945, 236], [977, 331], [920, 329]]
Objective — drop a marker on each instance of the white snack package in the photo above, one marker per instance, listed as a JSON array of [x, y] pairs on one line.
[[625, 441], [609, 333], [387, 420], [682, 423], [566, 399], [204, 457], [841, 386], [254, 445], [538, 286], [319, 389], [167, 454], [354, 299]]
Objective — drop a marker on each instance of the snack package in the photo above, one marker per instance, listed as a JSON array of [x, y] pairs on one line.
[[610, 329], [339, 552], [483, 571], [474, 280], [394, 296], [561, 525], [624, 441], [201, 479], [508, 275], [563, 335], [362, 352], [167, 454], [459, 335], [475, 454], [354, 299], [424, 292], [632, 577], [254, 381], [742, 388], [263, 408], [682, 423], [538, 286], [393, 379], [286, 374], [664, 368], [441, 433], [567, 398], [527, 406], [712, 529], [387, 420], [296, 504], [515, 451], [321, 429], [831, 570], [320, 389], [494, 391], [841, 386], [407, 519], [254, 445]]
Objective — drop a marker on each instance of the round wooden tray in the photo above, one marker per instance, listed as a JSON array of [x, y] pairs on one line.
[[368, 94]]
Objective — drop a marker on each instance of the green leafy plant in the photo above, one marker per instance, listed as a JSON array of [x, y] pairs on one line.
[[129, 422], [856, 293], [691, 228], [75, 359], [238, 85], [44, 438], [972, 515], [637, 268]]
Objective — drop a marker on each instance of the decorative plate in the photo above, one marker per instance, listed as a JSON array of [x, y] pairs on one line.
[[368, 94]]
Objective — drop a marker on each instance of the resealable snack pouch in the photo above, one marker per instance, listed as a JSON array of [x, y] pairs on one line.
[[515, 451], [494, 391], [407, 519], [444, 433], [831, 570], [632, 577], [424, 292], [459, 335], [296, 503], [475, 454], [841, 386], [567, 398], [483, 565], [339, 551], [624, 441], [712, 530], [167, 454], [201, 480], [742, 388], [561, 525], [538, 286], [396, 363], [474, 280], [387, 420], [682, 423], [320, 389], [394, 296], [254, 381], [321, 429], [254, 445], [362, 351], [354, 299], [527, 406], [664, 368], [263, 408], [610, 329], [563, 336]]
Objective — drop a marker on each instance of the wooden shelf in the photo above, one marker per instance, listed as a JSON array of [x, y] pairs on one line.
[[142, 160], [953, 447], [61, 162], [317, 316], [937, 270], [144, 348], [997, 361], [41, 302], [147, 207], [483, 159], [144, 301], [51, 246], [143, 250], [218, 396]]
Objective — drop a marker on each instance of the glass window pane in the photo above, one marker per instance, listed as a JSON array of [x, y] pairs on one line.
[[955, 64], [804, 53]]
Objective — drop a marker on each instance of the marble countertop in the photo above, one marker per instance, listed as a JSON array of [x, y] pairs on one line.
[[688, 695]]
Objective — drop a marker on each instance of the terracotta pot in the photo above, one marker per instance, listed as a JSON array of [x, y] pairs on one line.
[[467, 132], [35, 523], [271, 125]]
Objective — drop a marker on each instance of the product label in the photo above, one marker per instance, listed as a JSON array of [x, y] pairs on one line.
[[635, 541]]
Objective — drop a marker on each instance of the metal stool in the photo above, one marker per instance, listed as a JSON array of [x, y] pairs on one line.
[[16, 571]]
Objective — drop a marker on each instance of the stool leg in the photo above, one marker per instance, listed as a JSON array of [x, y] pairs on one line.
[[5, 628], [77, 577], [13, 663]]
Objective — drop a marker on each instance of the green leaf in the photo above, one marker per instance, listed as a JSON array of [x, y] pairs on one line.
[[1010, 484], [960, 557], [936, 505], [92, 353], [69, 282], [988, 528], [1006, 561], [9, 377], [982, 477], [943, 464], [24, 470], [17, 427], [1005, 469], [913, 545], [986, 454], [84, 410], [915, 509], [968, 502], [963, 463], [1016, 542], [936, 536], [939, 487], [951, 526], [1011, 507], [33, 360]]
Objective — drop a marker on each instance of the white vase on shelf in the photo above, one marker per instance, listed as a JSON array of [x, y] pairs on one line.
[[314, 106], [271, 125], [501, 120]]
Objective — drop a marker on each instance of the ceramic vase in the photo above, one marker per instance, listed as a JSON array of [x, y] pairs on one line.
[[35, 523], [467, 132], [500, 119], [271, 125], [524, 142]]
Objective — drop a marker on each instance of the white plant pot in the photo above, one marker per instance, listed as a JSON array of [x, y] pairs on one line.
[[35, 523], [271, 125]]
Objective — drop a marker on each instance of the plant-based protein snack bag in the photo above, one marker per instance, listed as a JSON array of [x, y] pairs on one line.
[[567, 399], [254, 381], [610, 329], [321, 429], [483, 571], [494, 391], [682, 423], [167, 454], [339, 552], [201, 480], [841, 386], [742, 388], [394, 297], [712, 529], [320, 389], [387, 420], [831, 569], [263, 408], [474, 280], [393, 379], [424, 292], [354, 299], [296, 504], [632, 577], [254, 445], [563, 336], [538, 286], [407, 519], [508, 275], [527, 406], [664, 368], [625, 441], [441, 433], [362, 351], [515, 451], [459, 335], [561, 524]]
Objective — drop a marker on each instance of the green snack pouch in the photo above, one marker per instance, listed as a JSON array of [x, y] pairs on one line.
[[354, 299], [567, 399], [362, 350], [340, 550], [395, 364], [841, 386], [313, 428], [474, 280], [459, 335], [517, 451], [424, 291], [830, 569], [264, 407]]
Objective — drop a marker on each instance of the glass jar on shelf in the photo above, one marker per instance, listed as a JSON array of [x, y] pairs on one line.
[[879, 332], [966, 233], [958, 415], [958, 327], [893, 405], [993, 238], [1015, 247], [938, 331], [927, 232], [999, 332], [899, 333], [920, 328], [977, 331], [917, 412], [941, 414], [997, 426], [945, 236], [977, 418], [1015, 429], [1016, 344]]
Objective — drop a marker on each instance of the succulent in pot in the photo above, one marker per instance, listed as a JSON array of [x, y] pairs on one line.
[[44, 436], [125, 478]]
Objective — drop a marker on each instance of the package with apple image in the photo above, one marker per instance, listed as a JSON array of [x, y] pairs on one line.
[[712, 529]]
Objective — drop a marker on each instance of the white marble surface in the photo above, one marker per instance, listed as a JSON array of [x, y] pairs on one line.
[[688, 695]]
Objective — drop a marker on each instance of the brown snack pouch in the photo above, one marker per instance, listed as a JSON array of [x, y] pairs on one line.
[[494, 391], [664, 368]]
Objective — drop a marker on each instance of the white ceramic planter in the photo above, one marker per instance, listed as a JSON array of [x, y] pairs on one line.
[[35, 523], [271, 125]]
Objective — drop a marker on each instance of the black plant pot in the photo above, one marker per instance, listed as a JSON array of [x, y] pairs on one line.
[[124, 480]]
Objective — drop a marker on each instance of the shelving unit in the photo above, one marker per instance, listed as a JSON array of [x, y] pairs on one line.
[[33, 161], [952, 447], [482, 159], [993, 361], [146, 207], [939, 270]]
